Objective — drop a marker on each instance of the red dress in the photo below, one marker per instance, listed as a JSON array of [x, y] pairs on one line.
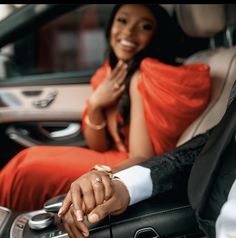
[[172, 97]]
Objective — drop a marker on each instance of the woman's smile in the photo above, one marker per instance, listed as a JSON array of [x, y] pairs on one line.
[[132, 30], [127, 46]]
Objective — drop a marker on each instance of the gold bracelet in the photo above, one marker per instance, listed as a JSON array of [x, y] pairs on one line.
[[93, 126]]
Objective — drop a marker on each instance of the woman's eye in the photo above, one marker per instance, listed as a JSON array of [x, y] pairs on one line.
[[122, 20], [148, 27]]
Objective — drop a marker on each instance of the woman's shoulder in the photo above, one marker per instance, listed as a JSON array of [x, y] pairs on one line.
[[157, 64], [190, 74]]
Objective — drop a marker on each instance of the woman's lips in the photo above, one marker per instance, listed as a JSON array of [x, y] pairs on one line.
[[127, 45]]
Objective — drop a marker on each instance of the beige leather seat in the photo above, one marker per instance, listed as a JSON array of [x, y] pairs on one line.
[[206, 20]]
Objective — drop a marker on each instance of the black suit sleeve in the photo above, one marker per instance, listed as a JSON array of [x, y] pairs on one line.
[[171, 170]]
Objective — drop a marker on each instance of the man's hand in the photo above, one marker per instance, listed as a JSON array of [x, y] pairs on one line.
[[117, 204]]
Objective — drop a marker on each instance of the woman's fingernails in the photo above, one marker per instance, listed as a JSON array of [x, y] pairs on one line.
[[85, 234], [60, 211], [79, 215], [94, 218]]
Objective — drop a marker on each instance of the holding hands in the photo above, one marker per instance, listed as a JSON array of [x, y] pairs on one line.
[[111, 88], [96, 195]]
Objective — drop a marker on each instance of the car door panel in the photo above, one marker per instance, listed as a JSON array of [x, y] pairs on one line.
[[55, 123], [67, 103]]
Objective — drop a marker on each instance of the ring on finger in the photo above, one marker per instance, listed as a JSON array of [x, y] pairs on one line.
[[97, 180], [116, 86]]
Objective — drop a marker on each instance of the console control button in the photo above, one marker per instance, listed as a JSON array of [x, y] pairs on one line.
[[41, 221]]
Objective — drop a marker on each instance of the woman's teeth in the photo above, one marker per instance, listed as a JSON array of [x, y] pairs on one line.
[[127, 43]]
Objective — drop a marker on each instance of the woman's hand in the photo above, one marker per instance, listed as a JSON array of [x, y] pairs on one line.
[[74, 228], [87, 192], [111, 88]]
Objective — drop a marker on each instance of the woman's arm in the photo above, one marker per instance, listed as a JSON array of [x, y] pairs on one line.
[[140, 145], [96, 117], [105, 96]]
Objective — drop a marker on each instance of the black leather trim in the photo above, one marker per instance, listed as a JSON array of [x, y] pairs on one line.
[[169, 214]]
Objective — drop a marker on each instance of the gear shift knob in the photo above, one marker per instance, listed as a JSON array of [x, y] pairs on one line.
[[54, 204]]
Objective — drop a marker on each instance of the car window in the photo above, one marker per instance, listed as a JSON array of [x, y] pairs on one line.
[[74, 41]]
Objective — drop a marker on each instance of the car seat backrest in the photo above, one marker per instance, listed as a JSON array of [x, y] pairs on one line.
[[206, 20]]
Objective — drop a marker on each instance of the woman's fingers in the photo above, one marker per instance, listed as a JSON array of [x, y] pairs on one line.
[[119, 91], [68, 230], [119, 72], [117, 69], [74, 228], [108, 189], [65, 205], [88, 194], [120, 146], [78, 227], [98, 189], [120, 76], [76, 197], [103, 190]]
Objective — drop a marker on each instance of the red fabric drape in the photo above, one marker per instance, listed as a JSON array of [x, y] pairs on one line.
[[173, 97]]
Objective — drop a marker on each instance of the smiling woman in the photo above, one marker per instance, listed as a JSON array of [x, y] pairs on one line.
[[140, 105], [132, 33]]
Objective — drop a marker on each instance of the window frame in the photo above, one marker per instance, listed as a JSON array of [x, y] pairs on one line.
[[27, 18]]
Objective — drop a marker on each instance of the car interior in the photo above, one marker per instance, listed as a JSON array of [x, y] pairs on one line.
[[165, 215]]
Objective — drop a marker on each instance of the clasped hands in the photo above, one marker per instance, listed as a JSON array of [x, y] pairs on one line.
[[94, 195]]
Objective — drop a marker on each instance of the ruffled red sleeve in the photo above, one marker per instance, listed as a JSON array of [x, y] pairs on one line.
[[173, 96]]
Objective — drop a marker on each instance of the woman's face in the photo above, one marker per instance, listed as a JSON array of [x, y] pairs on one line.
[[132, 30]]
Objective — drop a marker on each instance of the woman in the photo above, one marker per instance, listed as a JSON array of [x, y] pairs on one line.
[[140, 107]]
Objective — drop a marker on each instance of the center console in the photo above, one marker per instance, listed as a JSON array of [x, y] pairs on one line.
[[42, 223], [5, 215], [162, 216], [34, 224]]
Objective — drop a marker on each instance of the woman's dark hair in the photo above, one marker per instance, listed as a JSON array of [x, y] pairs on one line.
[[159, 48]]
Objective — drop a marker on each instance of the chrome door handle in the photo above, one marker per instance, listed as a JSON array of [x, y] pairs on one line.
[[72, 129], [42, 103]]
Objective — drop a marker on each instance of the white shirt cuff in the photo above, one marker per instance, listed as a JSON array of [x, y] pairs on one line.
[[138, 182]]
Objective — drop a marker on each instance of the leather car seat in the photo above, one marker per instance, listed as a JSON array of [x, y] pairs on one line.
[[211, 20]]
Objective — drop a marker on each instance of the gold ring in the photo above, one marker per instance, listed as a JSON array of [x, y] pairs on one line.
[[97, 180], [116, 86]]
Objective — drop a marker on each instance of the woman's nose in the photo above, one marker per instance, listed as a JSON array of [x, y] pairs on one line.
[[129, 30]]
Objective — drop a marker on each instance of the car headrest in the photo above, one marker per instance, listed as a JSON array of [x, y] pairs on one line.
[[201, 20]]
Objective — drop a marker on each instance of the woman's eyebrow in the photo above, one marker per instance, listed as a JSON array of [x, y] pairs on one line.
[[124, 13], [148, 19]]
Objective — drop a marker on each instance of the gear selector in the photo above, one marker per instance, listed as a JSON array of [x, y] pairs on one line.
[[54, 204], [41, 221]]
